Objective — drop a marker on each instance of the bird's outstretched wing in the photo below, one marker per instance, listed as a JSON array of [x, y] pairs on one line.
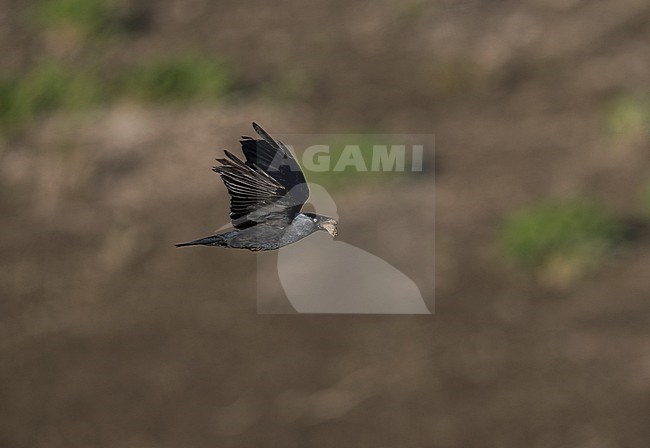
[[276, 160], [266, 188]]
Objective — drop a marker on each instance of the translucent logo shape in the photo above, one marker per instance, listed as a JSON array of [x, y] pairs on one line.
[[321, 275]]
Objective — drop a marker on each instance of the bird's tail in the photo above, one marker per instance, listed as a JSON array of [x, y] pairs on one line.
[[213, 240]]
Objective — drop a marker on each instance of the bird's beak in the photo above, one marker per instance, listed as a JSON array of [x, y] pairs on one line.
[[330, 226]]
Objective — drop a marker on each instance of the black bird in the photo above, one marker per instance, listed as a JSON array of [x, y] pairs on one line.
[[267, 192]]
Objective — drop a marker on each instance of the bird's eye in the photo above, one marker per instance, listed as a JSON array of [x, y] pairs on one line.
[[315, 220]]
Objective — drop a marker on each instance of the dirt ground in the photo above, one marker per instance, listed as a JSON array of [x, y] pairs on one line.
[[111, 337]]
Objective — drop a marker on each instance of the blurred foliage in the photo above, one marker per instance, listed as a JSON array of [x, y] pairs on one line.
[[51, 86], [456, 76], [628, 116], [291, 85], [176, 78], [90, 17], [565, 235], [47, 87], [413, 9]]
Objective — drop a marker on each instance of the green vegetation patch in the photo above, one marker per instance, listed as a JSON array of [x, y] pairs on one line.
[[572, 233], [48, 87], [291, 85], [91, 17], [177, 78], [456, 76], [628, 116]]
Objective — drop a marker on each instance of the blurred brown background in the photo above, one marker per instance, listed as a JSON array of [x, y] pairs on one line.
[[110, 115]]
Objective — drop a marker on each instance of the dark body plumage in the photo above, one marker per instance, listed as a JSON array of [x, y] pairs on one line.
[[267, 192]]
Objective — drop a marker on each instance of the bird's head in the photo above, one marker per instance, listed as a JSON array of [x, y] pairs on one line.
[[324, 223]]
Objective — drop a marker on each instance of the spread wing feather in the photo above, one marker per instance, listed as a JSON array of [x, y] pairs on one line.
[[268, 187], [274, 158], [255, 196]]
